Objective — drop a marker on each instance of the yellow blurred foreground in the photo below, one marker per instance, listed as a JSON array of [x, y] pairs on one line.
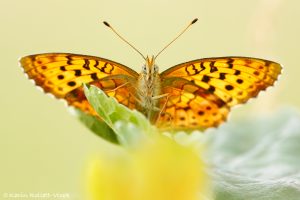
[[159, 169]]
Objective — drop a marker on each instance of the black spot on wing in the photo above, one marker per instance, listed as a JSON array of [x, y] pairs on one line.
[[71, 83], [222, 76], [206, 79], [69, 61], [94, 76], [62, 68], [237, 72], [211, 89], [200, 113], [86, 64], [229, 87], [182, 118], [77, 72], [230, 63], [212, 67], [60, 77], [239, 81]]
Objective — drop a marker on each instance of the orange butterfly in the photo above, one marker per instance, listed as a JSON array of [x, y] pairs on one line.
[[192, 95]]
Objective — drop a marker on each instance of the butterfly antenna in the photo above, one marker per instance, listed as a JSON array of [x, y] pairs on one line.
[[109, 26], [190, 24]]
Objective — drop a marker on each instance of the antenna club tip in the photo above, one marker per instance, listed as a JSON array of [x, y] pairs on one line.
[[106, 24], [194, 21]]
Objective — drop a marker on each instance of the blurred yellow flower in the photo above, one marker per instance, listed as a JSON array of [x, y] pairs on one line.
[[159, 169]]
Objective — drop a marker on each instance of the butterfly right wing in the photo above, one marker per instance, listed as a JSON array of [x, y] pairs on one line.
[[63, 74]]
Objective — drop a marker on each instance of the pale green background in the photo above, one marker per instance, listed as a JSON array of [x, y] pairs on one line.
[[45, 149]]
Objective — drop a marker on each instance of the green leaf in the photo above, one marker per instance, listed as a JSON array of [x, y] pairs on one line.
[[100, 128], [128, 126]]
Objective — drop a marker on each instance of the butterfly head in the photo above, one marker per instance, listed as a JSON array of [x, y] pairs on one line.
[[150, 68]]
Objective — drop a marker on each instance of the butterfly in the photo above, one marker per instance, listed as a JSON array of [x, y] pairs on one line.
[[193, 95]]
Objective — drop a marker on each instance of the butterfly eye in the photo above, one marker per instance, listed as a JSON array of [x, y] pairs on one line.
[[144, 68]]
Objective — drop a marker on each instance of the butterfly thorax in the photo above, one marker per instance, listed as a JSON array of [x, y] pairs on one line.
[[148, 88]]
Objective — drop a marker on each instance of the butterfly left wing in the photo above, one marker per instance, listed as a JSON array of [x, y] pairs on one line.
[[232, 80], [63, 74]]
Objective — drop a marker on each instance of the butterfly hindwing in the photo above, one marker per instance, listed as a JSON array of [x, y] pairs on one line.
[[189, 106]]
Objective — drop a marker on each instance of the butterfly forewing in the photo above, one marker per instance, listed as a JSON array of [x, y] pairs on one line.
[[63, 74], [218, 83], [232, 79]]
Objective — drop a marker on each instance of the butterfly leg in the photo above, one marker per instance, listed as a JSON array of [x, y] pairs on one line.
[[120, 86], [160, 96], [166, 95]]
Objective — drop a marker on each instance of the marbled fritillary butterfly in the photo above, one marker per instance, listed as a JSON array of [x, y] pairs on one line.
[[194, 95]]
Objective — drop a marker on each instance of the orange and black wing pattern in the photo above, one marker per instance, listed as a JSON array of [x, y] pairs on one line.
[[63, 75], [202, 91]]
